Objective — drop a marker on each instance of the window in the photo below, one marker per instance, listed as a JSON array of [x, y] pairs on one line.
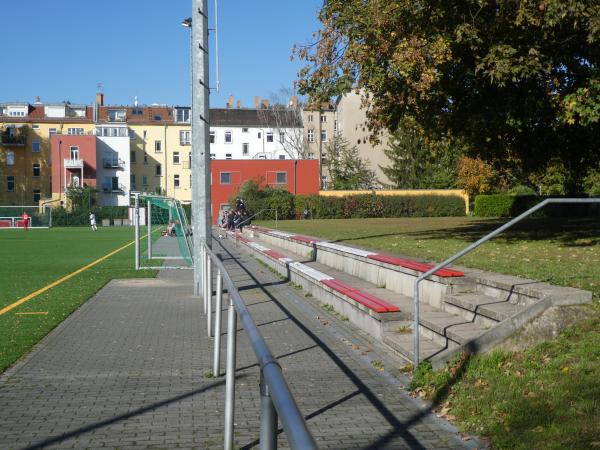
[[10, 158], [323, 136], [145, 133], [311, 135], [136, 111], [37, 195], [10, 184], [335, 126], [116, 115], [132, 180], [212, 156], [144, 180], [244, 130], [323, 118], [158, 146], [228, 156], [182, 115], [281, 178], [35, 126], [225, 177], [51, 131], [185, 137], [132, 157], [145, 158], [158, 170], [131, 134], [35, 146], [228, 137], [211, 137], [309, 118], [157, 117], [259, 135], [245, 148], [281, 156], [311, 155], [74, 152], [175, 157], [176, 181], [75, 131], [36, 170], [269, 136], [282, 136]]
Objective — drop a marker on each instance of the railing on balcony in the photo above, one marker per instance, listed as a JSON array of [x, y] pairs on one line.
[[8, 139], [114, 188], [113, 163], [73, 163]]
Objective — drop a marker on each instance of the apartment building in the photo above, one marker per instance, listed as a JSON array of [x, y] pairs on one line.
[[320, 128]]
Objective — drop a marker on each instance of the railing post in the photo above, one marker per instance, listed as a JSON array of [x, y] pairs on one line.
[[217, 343], [268, 418], [209, 295], [416, 325], [275, 218], [149, 227], [230, 375], [203, 258]]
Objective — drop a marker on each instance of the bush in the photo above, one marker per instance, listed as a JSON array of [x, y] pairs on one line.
[[591, 182], [501, 205]]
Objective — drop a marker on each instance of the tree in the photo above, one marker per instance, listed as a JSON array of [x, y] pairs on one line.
[[418, 162], [81, 197], [284, 117], [347, 170], [517, 81]]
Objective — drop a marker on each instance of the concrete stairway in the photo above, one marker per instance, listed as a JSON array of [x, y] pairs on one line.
[[460, 310]]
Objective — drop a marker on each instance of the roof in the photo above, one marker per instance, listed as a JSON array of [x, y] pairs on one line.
[[272, 118]]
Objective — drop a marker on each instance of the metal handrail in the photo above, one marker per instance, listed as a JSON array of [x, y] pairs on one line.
[[261, 211], [472, 247], [276, 397]]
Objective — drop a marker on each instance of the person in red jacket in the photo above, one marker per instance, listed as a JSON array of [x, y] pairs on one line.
[[25, 218]]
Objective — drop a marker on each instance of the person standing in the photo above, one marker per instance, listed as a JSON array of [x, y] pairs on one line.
[[25, 218], [93, 221]]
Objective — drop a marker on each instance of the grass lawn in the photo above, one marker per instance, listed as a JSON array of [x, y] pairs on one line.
[[39, 257], [545, 397]]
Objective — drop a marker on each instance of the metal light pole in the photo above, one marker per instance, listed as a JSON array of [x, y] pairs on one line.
[[201, 211]]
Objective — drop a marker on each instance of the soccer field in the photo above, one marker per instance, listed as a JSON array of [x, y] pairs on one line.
[[36, 258]]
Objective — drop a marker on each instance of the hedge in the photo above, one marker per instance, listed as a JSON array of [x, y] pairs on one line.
[[372, 205], [64, 218], [502, 205]]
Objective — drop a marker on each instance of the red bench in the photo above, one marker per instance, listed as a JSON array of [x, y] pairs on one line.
[[414, 265], [308, 240], [368, 300]]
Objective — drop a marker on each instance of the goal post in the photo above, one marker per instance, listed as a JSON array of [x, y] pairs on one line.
[[167, 234], [12, 216]]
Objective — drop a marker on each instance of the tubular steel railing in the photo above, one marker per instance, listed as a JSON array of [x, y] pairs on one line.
[[260, 212], [276, 400], [472, 247]]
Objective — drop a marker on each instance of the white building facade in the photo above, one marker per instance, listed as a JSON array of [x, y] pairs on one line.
[[113, 165]]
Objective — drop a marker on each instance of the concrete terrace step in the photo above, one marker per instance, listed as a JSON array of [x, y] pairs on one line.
[[470, 305], [403, 343]]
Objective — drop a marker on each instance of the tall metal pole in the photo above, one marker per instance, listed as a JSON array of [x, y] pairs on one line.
[[136, 220], [218, 307], [230, 376], [201, 210], [149, 227]]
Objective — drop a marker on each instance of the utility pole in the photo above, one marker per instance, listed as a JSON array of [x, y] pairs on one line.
[[201, 210]]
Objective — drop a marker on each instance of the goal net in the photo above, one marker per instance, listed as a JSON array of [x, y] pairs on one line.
[[168, 232], [12, 216]]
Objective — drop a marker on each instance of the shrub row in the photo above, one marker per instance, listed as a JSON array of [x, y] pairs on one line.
[[64, 218], [356, 206], [502, 205]]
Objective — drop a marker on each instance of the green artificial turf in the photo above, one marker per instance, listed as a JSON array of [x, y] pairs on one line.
[[36, 258]]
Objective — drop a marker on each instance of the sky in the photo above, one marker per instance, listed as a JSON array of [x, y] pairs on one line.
[[66, 50]]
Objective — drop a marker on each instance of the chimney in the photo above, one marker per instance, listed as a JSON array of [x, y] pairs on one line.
[[230, 102], [265, 104], [239, 104], [256, 102], [37, 100], [294, 101], [100, 98]]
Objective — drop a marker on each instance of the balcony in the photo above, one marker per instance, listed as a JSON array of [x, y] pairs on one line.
[[12, 140], [113, 163], [73, 163], [113, 188], [116, 116]]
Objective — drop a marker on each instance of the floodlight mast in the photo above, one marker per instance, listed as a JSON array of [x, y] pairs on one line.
[[201, 211]]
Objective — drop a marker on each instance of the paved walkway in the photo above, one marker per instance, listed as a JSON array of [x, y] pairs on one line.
[[130, 370]]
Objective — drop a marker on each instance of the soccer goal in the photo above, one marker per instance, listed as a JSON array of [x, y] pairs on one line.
[[12, 216], [167, 234]]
